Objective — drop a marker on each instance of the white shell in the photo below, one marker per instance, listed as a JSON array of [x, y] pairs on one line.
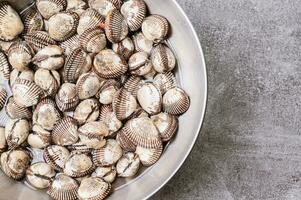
[[77, 6], [124, 104], [124, 48], [150, 98], [39, 175], [16, 132], [15, 74], [65, 132], [176, 101], [107, 91], [88, 85], [20, 55], [108, 174], [90, 19], [78, 165], [93, 189], [165, 81], [134, 11], [166, 124], [56, 156], [39, 138], [48, 8], [148, 156], [3, 143], [139, 64], [109, 118], [67, 98], [142, 43], [155, 28], [163, 59], [48, 80], [87, 111], [104, 6], [128, 165], [50, 57]]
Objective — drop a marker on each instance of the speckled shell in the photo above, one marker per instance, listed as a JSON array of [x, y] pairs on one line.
[[46, 114], [139, 64], [4, 66], [88, 85], [65, 132], [124, 104], [32, 19], [108, 64], [63, 25], [107, 155], [149, 98], [16, 132], [87, 111], [149, 156], [107, 174], [39, 175], [116, 27], [48, 8], [135, 132], [163, 59], [56, 156], [67, 99], [48, 80], [63, 188], [20, 55], [90, 19], [78, 165], [77, 63], [124, 48], [14, 111], [155, 28], [14, 163], [78, 6], [70, 44], [39, 138], [128, 165], [15, 74], [109, 118], [142, 43], [11, 24], [39, 39], [3, 97], [26, 93], [165, 81], [93, 189], [50, 57], [93, 40], [176, 101], [134, 11], [107, 91], [105, 6], [125, 143], [166, 124]]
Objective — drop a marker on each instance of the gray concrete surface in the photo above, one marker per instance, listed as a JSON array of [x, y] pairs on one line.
[[250, 144]]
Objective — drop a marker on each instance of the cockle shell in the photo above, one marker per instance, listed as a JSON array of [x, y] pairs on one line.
[[139, 64], [39, 39], [14, 111], [78, 6], [63, 188], [125, 143], [134, 11], [87, 111], [175, 101], [128, 165], [70, 44], [39, 138], [109, 118], [11, 24], [3, 143], [166, 124], [56, 156], [48, 80], [105, 6], [33, 20], [4, 66], [65, 132], [142, 43], [48, 8], [19, 55], [79, 147], [107, 174], [67, 99], [150, 98], [92, 134], [93, 40], [107, 155], [149, 156], [88, 85], [93, 188], [124, 104], [4, 45], [165, 81], [150, 75], [15, 74], [163, 59], [50, 57], [107, 91], [124, 48], [14, 163], [3, 97], [155, 28], [132, 84], [116, 27], [46, 114], [63, 25], [16, 132], [40, 175], [78, 165], [90, 19], [139, 112]]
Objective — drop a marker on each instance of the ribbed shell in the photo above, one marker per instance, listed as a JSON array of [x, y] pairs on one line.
[[105, 6], [142, 43], [132, 84], [116, 27], [151, 30], [163, 59], [56, 156], [107, 91], [149, 98], [90, 19], [93, 188], [93, 40], [4, 66], [124, 48], [67, 98], [20, 55], [134, 11], [48, 80], [79, 148], [176, 101], [109, 118], [14, 111], [79, 165], [107, 174], [50, 7], [88, 85], [166, 124], [32, 19], [124, 104], [165, 81], [65, 132], [3, 97], [39, 39], [63, 188], [149, 156], [70, 44], [125, 143]]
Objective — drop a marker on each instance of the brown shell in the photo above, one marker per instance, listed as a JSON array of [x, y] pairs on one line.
[[65, 132], [3, 97], [116, 27], [93, 188], [124, 104], [79, 165], [4, 66], [56, 156], [70, 44], [125, 143], [124, 48], [67, 98], [20, 55], [176, 101], [79, 148], [93, 40], [15, 74], [16, 132], [165, 81], [134, 11], [163, 59], [105, 6], [155, 28], [32, 19], [132, 84], [88, 85], [90, 19], [39, 39], [14, 111], [50, 7], [148, 156], [166, 124]]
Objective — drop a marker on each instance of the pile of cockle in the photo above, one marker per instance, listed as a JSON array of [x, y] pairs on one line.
[[92, 87]]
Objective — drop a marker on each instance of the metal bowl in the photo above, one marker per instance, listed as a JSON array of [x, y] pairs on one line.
[[191, 75]]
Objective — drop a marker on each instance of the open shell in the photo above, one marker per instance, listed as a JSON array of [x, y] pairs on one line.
[[14, 111], [39, 138], [33, 20], [50, 57], [124, 48], [93, 188], [90, 19], [149, 156], [176, 101], [65, 132], [67, 98], [124, 104], [163, 59], [134, 11], [88, 85], [150, 98], [48, 80], [139, 64], [107, 174], [128, 165], [166, 124], [105, 6], [19, 55], [142, 43], [3, 143], [16, 132], [39, 39], [87, 111], [109, 118], [78, 165], [40, 175], [116, 27], [165, 81], [48, 8], [155, 28], [3, 97], [4, 66], [93, 40], [56, 156]]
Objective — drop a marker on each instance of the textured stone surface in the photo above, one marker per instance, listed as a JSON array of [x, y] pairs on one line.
[[250, 144]]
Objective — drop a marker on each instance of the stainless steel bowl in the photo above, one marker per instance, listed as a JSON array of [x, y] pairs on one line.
[[191, 74]]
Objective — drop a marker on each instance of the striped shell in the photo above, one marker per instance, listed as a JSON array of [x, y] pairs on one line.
[[3, 143], [134, 11], [125, 143], [50, 57], [67, 99], [107, 174], [116, 27], [78, 165], [32, 19], [128, 165], [105, 6], [132, 85], [46, 114], [14, 163], [139, 64], [107, 155], [109, 118], [93, 40], [78, 6], [11, 24], [107, 91], [150, 98], [63, 188], [155, 28], [77, 63], [166, 124], [48, 8], [70, 44], [3, 97], [15, 75], [39, 39], [124, 104], [142, 131], [149, 156], [163, 59], [56, 156], [142, 43], [175, 101], [16, 132], [4, 66], [48, 80], [65, 132], [26, 93], [79, 147], [20, 55], [124, 48], [165, 81], [108, 64], [90, 19], [14, 111], [87, 111], [93, 189], [139, 112], [88, 85], [63, 25], [39, 138]]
